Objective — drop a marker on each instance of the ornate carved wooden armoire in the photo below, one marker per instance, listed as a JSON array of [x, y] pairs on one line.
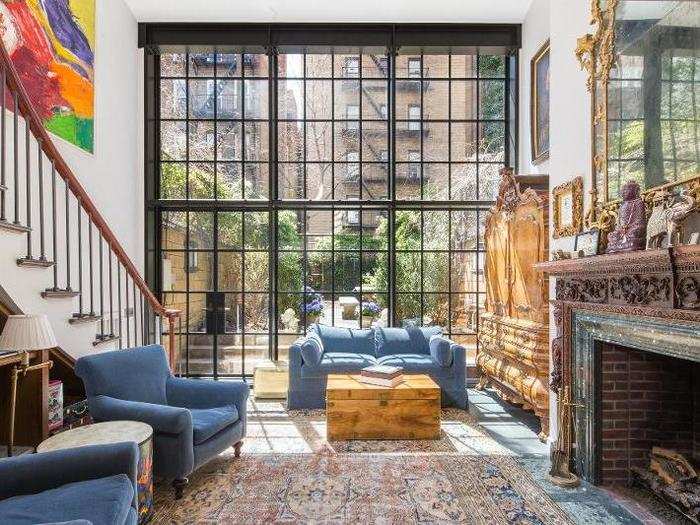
[[513, 353]]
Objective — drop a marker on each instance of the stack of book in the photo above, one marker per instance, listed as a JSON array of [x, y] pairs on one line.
[[382, 375]]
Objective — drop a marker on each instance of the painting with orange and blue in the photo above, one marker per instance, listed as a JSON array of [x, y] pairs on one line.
[[52, 43]]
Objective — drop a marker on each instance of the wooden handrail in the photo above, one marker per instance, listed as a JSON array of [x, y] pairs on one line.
[[47, 146]]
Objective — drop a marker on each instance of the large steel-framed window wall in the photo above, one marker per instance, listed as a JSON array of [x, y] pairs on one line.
[[285, 178]]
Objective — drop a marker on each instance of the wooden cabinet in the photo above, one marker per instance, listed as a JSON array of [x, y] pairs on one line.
[[513, 353]]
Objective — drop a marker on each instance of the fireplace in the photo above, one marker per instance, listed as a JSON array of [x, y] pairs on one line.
[[645, 400], [626, 364], [635, 385]]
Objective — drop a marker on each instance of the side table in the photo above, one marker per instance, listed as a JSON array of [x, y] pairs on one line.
[[115, 432]]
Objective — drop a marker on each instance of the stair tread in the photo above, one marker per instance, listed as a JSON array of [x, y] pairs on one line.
[[14, 228], [34, 262], [84, 318], [59, 293], [101, 340]]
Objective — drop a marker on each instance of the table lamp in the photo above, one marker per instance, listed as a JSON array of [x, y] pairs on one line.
[[24, 334]]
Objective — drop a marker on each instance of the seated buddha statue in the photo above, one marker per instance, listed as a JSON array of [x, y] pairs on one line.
[[631, 227]]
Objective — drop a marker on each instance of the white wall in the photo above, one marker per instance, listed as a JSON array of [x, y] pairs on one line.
[[535, 32], [564, 21], [112, 174]]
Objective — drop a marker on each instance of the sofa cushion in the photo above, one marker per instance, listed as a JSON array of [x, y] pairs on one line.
[[409, 340], [347, 340], [312, 349], [208, 421], [338, 363], [412, 363], [103, 501], [441, 350]]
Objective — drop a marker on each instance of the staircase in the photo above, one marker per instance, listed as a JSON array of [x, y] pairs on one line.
[[58, 255]]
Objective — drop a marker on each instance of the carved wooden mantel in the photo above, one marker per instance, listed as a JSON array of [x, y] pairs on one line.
[[661, 283]]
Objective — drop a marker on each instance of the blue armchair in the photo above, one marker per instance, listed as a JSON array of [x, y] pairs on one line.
[[193, 420], [86, 485]]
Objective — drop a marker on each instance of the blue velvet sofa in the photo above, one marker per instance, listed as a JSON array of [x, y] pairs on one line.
[[85, 485], [330, 350], [193, 420]]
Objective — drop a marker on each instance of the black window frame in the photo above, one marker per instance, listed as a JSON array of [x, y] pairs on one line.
[[269, 38]]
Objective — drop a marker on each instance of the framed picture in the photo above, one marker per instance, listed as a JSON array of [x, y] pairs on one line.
[[587, 242], [539, 104], [567, 204]]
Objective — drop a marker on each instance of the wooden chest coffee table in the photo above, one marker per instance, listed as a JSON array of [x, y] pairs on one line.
[[356, 410]]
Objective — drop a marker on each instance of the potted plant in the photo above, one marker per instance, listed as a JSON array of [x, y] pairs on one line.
[[313, 310], [369, 312]]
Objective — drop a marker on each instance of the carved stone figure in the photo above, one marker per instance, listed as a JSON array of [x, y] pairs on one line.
[[630, 231], [656, 225], [676, 213]]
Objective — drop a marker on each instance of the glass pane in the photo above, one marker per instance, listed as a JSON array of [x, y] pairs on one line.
[[201, 229], [202, 102], [173, 99], [230, 271], [173, 65], [256, 230], [200, 267], [173, 140], [173, 180], [173, 230], [201, 180], [229, 184], [229, 231]]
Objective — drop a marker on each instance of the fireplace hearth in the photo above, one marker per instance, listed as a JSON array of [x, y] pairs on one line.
[[625, 363]]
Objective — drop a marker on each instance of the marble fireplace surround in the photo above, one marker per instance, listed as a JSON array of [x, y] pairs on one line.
[[588, 330], [647, 300]]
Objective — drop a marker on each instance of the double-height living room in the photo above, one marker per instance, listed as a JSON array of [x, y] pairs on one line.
[[372, 262]]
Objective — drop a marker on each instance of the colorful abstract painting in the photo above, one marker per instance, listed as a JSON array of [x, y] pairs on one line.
[[51, 43]]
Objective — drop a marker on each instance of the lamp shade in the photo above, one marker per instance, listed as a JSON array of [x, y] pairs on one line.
[[27, 332]]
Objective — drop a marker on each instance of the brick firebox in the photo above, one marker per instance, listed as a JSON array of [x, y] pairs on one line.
[[646, 400]]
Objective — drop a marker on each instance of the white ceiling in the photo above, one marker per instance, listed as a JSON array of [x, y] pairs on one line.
[[426, 11]]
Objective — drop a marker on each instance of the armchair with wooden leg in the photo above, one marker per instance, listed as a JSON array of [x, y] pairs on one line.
[[193, 420]]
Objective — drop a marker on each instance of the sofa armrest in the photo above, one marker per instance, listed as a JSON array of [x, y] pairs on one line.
[[206, 393], [33, 473], [459, 357], [295, 359], [163, 418]]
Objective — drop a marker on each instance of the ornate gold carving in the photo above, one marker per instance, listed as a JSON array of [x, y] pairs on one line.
[[575, 189]]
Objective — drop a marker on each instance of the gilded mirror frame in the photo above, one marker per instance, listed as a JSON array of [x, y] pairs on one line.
[[596, 55]]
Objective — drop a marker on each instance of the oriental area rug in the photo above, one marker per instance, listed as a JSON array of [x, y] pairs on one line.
[[288, 473]]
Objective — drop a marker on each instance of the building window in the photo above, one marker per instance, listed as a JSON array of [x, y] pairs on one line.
[[352, 114], [352, 67], [353, 167], [414, 165], [414, 67], [383, 112], [414, 117], [384, 155], [353, 217]]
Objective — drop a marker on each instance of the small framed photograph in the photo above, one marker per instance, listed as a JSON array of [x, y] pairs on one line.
[[568, 208], [587, 242]]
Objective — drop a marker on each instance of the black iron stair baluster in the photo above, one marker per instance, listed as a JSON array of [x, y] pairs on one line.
[[28, 189], [54, 216], [67, 205], [101, 287], [111, 291], [42, 233], [80, 258]]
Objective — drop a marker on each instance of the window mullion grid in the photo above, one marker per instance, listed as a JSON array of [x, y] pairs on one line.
[[304, 124], [243, 127], [449, 194], [243, 254], [332, 124], [479, 124], [187, 290], [332, 185], [422, 213], [360, 180], [391, 241], [273, 217]]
